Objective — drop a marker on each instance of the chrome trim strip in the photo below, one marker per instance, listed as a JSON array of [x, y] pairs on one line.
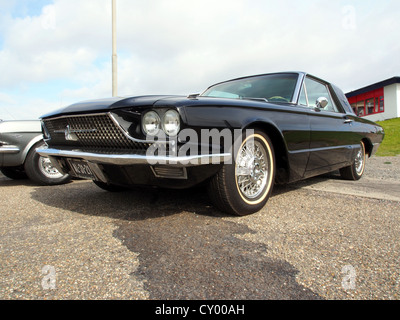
[[132, 159], [297, 89], [75, 116], [9, 149]]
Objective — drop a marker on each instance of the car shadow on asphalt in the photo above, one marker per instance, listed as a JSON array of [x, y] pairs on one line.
[[139, 203], [187, 249], [6, 182], [135, 204]]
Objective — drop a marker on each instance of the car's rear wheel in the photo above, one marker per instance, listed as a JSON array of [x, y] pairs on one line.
[[40, 170], [15, 173], [244, 186], [356, 170]]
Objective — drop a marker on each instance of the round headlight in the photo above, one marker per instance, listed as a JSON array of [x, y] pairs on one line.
[[171, 123], [151, 123]]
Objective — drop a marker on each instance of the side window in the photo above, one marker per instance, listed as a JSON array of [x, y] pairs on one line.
[[317, 90]]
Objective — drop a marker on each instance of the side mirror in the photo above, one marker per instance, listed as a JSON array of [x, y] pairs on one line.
[[321, 102]]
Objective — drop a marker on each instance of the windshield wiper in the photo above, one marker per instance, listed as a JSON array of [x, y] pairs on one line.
[[255, 99]]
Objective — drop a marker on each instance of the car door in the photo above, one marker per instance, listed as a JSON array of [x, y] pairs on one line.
[[330, 138]]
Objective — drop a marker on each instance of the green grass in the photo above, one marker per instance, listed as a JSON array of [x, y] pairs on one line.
[[391, 143]]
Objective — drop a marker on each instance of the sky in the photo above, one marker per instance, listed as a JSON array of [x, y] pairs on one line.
[[57, 52]]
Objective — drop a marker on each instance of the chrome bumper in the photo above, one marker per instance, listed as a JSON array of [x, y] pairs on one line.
[[133, 159]]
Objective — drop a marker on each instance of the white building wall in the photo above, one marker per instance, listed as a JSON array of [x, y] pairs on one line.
[[398, 100], [392, 104]]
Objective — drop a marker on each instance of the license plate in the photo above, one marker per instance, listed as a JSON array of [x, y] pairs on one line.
[[81, 169]]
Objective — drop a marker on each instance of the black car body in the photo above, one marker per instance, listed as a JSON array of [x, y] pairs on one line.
[[240, 136]]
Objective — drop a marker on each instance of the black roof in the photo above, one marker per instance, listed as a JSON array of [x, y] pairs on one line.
[[374, 86]]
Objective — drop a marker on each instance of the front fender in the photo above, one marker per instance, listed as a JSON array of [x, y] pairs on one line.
[[29, 146], [18, 159]]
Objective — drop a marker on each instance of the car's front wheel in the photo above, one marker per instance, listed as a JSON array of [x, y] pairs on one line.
[[40, 170], [244, 186], [356, 170]]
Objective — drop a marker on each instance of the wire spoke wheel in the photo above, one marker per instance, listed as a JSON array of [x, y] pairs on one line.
[[356, 170], [252, 169], [359, 162], [244, 186]]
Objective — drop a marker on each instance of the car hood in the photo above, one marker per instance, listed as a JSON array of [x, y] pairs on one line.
[[108, 104]]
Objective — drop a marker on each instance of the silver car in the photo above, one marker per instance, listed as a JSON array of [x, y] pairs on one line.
[[18, 158]]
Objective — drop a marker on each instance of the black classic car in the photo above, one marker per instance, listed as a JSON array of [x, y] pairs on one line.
[[239, 136]]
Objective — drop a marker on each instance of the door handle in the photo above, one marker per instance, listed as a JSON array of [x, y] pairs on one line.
[[348, 121]]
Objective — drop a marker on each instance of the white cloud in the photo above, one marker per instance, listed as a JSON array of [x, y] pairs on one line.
[[182, 46], [10, 107]]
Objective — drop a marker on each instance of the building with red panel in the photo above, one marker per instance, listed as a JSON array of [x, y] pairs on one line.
[[378, 101]]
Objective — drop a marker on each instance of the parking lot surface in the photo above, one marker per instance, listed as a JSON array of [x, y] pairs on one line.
[[322, 238]]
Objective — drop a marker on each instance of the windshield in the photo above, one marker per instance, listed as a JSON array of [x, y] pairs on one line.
[[273, 87]]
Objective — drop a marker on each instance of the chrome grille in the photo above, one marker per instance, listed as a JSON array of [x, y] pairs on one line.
[[95, 132]]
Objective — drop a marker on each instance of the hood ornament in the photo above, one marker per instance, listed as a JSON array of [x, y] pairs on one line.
[[70, 135]]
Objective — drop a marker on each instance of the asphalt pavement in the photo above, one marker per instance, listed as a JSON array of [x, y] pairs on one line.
[[322, 238]]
